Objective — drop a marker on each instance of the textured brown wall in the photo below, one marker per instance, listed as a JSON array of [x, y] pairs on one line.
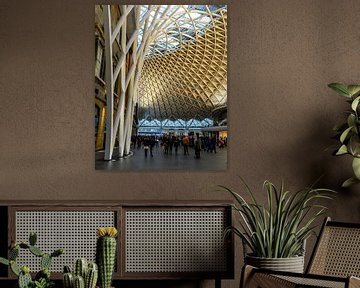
[[282, 54]]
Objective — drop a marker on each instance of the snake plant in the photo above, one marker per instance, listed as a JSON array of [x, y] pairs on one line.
[[279, 228]]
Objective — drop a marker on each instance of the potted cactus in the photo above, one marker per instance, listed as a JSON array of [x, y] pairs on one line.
[[85, 275], [42, 278], [106, 254]]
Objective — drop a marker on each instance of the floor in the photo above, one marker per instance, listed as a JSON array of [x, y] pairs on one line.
[[160, 161]]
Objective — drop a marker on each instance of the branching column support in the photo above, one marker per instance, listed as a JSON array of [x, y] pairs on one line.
[[116, 127], [109, 83], [121, 107], [128, 76], [131, 91]]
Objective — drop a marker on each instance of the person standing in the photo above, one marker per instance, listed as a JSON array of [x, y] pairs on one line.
[[146, 143], [171, 143], [197, 146], [185, 142], [151, 145], [176, 144], [213, 144]]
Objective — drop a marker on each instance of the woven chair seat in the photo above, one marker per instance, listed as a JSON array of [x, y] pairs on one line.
[[314, 282]]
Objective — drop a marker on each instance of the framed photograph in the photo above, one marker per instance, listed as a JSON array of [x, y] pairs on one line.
[[161, 87]]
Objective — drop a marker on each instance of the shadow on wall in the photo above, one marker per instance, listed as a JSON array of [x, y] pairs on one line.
[[308, 152]]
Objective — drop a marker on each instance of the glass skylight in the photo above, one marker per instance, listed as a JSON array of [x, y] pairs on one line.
[[177, 123], [177, 25]]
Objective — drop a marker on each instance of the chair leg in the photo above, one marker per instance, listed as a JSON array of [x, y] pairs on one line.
[[217, 283], [251, 279], [246, 273]]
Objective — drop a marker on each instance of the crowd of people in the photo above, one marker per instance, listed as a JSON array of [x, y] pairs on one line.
[[170, 144]]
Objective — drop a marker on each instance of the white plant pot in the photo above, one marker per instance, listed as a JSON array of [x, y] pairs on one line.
[[291, 264]]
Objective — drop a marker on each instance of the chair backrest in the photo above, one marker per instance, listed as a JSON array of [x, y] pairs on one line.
[[337, 251]]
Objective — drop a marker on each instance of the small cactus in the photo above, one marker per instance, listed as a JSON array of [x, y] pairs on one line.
[[36, 251], [32, 238], [42, 278], [67, 269], [79, 282], [106, 254], [84, 274], [24, 280], [43, 274], [91, 276], [68, 280], [45, 261], [57, 252], [80, 268], [13, 253]]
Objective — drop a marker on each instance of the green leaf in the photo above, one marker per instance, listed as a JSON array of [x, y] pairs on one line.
[[355, 103], [340, 88], [354, 145], [351, 120], [14, 268], [345, 134], [356, 167], [353, 89], [349, 182], [4, 261], [342, 150]]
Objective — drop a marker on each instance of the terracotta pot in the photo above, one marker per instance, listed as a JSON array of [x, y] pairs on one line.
[[291, 264]]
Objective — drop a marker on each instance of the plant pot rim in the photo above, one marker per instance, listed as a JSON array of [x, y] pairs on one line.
[[260, 257]]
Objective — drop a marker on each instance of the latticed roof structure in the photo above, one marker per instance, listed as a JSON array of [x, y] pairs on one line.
[[185, 69], [162, 62]]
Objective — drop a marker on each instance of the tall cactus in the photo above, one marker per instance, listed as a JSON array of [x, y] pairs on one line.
[[106, 254]]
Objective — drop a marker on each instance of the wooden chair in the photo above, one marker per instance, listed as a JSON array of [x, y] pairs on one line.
[[335, 262]]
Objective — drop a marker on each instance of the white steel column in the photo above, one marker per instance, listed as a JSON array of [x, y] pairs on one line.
[[109, 83], [131, 103], [123, 86]]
